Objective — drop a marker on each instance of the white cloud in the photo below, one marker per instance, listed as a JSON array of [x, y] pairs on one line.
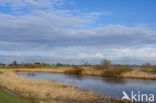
[[124, 55], [47, 26]]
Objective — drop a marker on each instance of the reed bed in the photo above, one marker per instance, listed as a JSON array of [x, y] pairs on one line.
[[118, 73], [139, 75], [49, 91]]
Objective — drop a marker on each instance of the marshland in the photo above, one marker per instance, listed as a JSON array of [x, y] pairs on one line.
[[101, 83], [77, 51]]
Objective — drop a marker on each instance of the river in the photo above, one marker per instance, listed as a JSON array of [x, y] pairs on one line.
[[112, 87]]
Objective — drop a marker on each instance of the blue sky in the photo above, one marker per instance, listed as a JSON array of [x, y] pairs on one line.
[[126, 12], [76, 31]]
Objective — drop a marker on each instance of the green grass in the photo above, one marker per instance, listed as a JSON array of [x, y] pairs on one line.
[[4, 67], [8, 98]]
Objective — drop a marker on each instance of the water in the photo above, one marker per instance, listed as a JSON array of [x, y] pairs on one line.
[[106, 86]]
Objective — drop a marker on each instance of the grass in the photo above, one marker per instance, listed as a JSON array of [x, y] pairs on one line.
[[8, 98], [49, 91], [4, 67], [1, 72]]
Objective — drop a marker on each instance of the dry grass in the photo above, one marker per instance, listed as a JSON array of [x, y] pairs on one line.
[[60, 70], [49, 91], [94, 72], [139, 75], [75, 70]]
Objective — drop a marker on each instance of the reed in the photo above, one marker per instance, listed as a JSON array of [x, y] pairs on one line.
[[114, 72], [49, 91], [75, 70], [139, 75]]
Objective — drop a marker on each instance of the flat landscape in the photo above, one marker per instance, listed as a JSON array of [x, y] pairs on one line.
[[77, 51], [49, 91]]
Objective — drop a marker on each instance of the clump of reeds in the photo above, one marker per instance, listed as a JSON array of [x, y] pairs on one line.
[[75, 70], [115, 72]]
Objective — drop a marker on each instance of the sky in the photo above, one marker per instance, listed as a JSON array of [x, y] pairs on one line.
[[78, 31]]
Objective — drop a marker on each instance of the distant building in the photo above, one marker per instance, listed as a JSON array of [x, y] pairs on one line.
[[33, 62]]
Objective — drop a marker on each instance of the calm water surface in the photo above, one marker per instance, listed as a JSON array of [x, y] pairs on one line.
[[106, 86]]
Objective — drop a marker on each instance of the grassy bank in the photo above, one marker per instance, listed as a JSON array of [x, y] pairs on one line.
[[49, 91], [8, 98]]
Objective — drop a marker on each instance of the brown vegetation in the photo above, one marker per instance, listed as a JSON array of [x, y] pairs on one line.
[[148, 68], [139, 75], [75, 70], [49, 91], [115, 72], [123, 72]]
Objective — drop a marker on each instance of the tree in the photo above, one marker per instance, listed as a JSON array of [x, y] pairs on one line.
[[86, 64], [59, 64], [105, 64]]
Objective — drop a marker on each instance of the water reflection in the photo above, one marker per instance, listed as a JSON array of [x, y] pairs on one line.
[[77, 77], [112, 81]]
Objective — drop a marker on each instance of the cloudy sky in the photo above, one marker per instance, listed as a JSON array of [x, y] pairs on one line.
[[78, 31]]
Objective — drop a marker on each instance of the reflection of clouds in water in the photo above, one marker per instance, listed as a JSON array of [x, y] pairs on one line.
[[73, 79], [124, 80]]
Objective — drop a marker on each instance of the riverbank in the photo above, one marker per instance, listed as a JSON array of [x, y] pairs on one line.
[[49, 91], [137, 74]]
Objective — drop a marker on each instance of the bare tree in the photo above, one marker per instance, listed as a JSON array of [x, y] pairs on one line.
[[105, 64]]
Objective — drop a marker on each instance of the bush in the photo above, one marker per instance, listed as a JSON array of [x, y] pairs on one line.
[[75, 70]]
